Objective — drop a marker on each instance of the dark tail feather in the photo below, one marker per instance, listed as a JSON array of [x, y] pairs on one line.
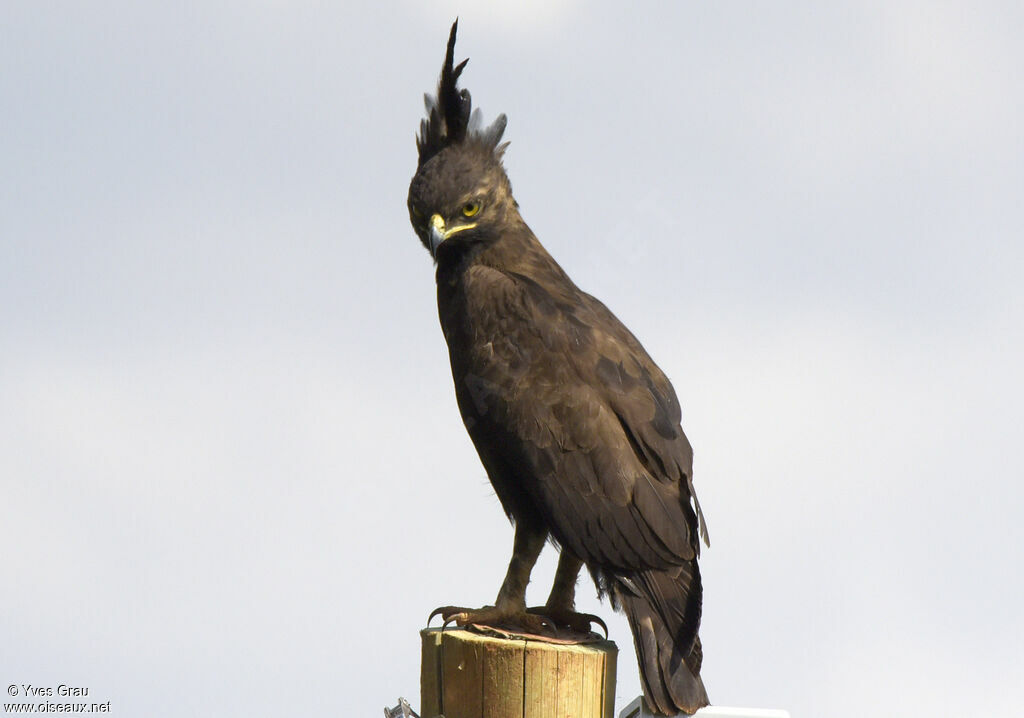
[[663, 608]]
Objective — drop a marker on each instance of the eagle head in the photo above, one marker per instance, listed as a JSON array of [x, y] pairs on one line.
[[460, 194]]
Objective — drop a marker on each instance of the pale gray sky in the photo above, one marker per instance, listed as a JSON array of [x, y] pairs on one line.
[[233, 476]]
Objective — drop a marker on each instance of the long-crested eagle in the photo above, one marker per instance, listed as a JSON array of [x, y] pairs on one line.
[[577, 428]]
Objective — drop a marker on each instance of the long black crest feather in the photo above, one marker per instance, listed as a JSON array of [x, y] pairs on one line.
[[450, 119]]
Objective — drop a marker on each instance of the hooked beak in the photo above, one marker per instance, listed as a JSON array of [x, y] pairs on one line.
[[439, 233]]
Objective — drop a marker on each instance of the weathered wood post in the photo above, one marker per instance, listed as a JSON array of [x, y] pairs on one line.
[[469, 675]]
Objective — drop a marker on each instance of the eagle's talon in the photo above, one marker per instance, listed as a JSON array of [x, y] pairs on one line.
[[458, 619], [567, 619], [521, 621], [455, 614], [441, 611]]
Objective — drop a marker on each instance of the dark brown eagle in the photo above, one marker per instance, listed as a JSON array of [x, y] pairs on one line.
[[577, 427]]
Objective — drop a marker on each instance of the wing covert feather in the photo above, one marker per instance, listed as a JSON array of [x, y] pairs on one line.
[[591, 422]]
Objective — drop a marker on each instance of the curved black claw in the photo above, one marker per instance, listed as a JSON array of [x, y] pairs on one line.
[[448, 614], [597, 619], [519, 621], [569, 619]]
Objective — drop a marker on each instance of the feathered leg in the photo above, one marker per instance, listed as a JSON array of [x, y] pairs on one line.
[[509, 609], [561, 604]]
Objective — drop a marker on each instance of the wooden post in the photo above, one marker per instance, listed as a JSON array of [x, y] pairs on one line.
[[469, 675]]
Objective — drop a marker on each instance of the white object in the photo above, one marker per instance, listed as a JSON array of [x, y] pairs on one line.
[[636, 710]]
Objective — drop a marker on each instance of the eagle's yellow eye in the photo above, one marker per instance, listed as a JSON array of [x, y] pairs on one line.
[[470, 208]]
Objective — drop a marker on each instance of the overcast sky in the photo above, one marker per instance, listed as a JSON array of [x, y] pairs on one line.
[[233, 476]]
